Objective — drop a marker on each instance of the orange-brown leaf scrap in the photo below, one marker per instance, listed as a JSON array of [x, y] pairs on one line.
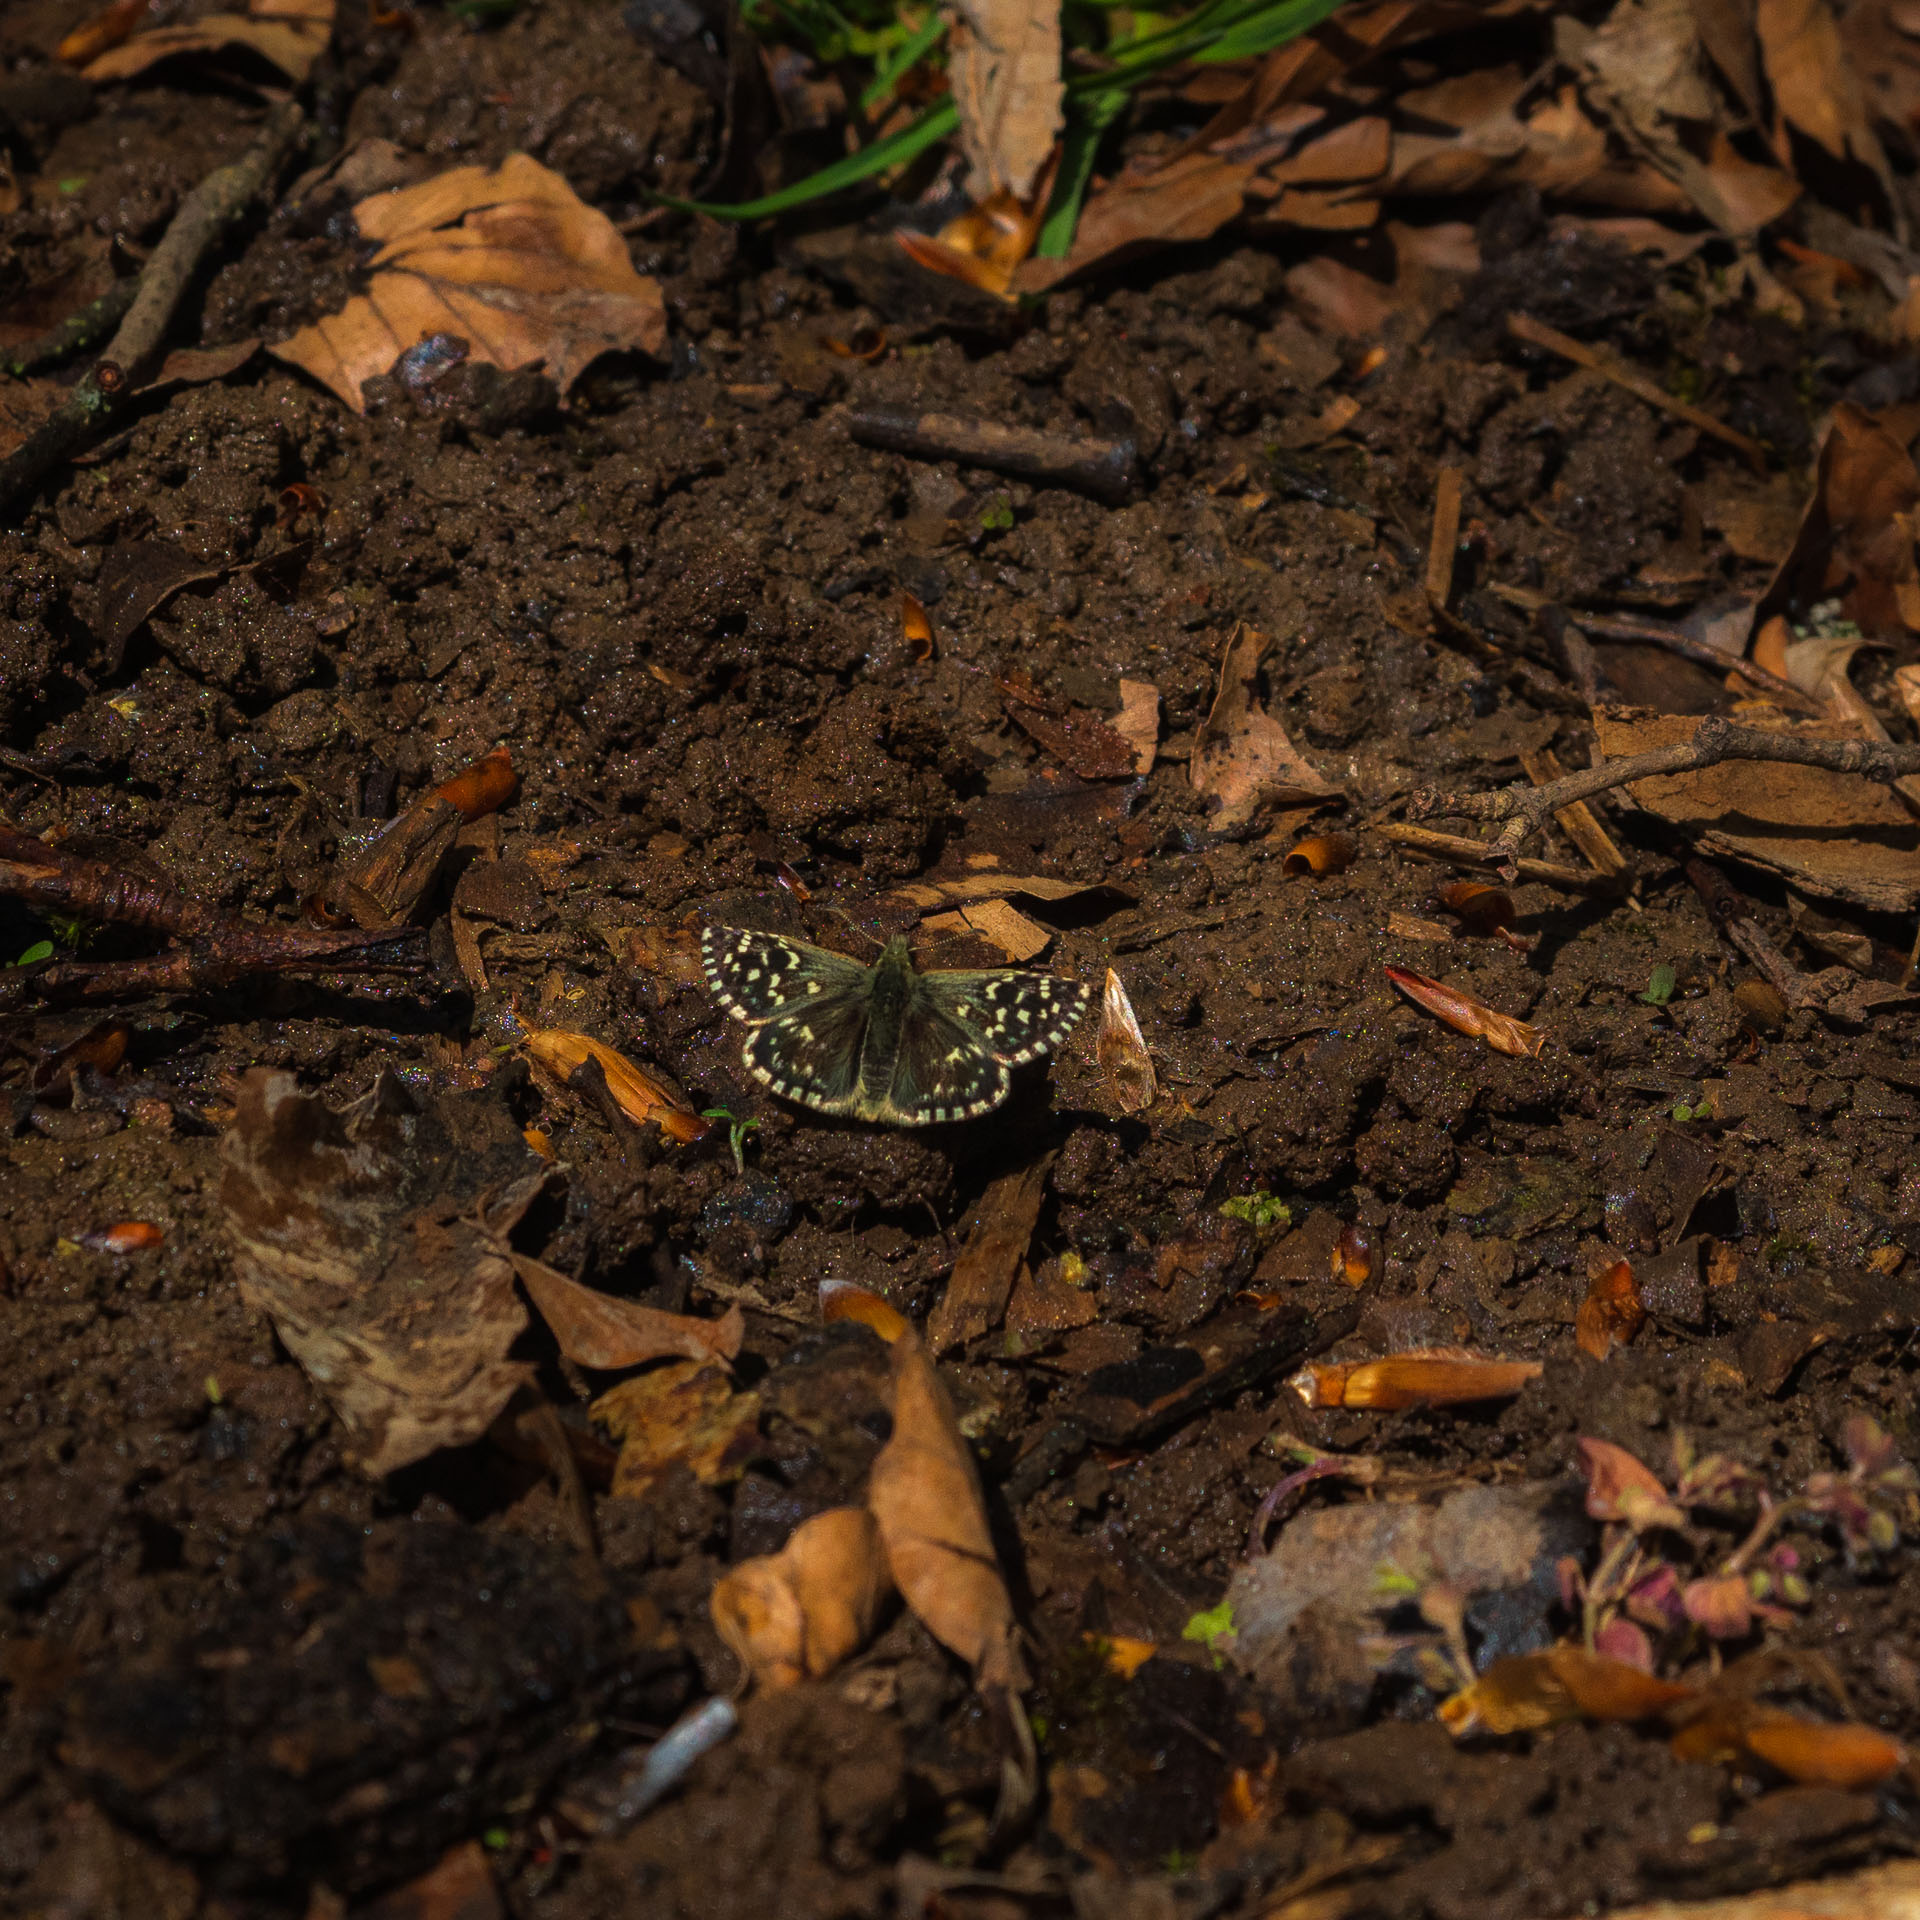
[[483, 787], [916, 629], [925, 1494], [1612, 1313], [1243, 757], [1322, 854], [1814, 1753], [529, 275], [843, 1300], [1122, 1051], [107, 28], [289, 34], [601, 1330], [683, 1412], [981, 247], [1421, 1377], [1620, 1488], [796, 1614], [1500, 1031], [641, 1097]]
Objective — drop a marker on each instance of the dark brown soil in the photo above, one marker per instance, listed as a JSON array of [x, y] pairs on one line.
[[677, 602]]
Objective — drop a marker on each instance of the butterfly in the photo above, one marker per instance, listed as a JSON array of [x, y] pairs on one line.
[[883, 1043]]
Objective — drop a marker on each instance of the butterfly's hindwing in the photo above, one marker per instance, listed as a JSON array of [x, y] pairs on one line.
[[1015, 1017], [757, 975], [941, 1072], [812, 1053]]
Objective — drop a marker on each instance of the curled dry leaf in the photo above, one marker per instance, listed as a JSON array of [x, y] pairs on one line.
[[796, 1614], [289, 34], [641, 1097], [1122, 1051], [1500, 1031], [1322, 854], [683, 1413], [1612, 1313], [486, 786], [1476, 905], [1243, 757], [981, 247], [1005, 69], [1620, 1488], [361, 1235], [530, 275], [915, 628], [1422, 1377], [843, 1300], [925, 1495], [597, 1329]]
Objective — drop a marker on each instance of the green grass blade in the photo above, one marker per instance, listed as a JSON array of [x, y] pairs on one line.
[[903, 62], [1086, 127]]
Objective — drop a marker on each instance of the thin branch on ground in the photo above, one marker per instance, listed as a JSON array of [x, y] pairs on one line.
[[1654, 633], [77, 332], [1732, 915], [104, 396], [1527, 809]]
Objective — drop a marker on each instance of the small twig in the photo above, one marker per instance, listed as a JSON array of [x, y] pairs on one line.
[[1537, 333], [1465, 852], [1732, 916], [1103, 468], [77, 332], [1578, 822], [105, 394], [1445, 538], [1527, 809], [1653, 634]]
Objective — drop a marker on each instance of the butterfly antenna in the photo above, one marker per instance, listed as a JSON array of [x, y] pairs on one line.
[[853, 926]]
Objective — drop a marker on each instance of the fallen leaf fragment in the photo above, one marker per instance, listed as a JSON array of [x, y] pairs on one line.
[[1822, 1753], [1122, 1051], [925, 1495], [107, 28], [290, 34], [486, 786], [1620, 1488], [1120, 1653], [1082, 742], [1138, 721], [1322, 854], [982, 247], [1462, 1011], [640, 1097], [1606, 1689], [1243, 757], [360, 1235], [992, 1258], [842, 1300], [1019, 938], [1612, 1313], [796, 1614], [128, 1236], [597, 1329], [1422, 1377], [1517, 1694], [530, 275], [683, 1412], [916, 628], [1005, 69]]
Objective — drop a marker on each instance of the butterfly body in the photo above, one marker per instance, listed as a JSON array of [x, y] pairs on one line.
[[883, 1043]]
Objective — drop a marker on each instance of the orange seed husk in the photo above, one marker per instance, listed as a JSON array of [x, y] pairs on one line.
[[1612, 1313], [484, 787], [1462, 1011], [1323, 854], [1356, 1254], [125, 1236], [640, 1096], [1424, 1377], [1481, 906], [842, 1300]]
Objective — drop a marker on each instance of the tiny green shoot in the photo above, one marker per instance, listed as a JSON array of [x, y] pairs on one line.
[[40, 950], [1262, 1211], [1209, 1627], [1661, 985], [998, 517], [737, 1131]]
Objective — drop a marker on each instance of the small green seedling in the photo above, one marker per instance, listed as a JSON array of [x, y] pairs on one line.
[[737, 1131], [1660, 987], [40, 950], [998, 517], [1210, 1627], [1261, 1211]]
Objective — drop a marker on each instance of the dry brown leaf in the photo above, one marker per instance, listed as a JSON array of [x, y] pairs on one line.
[[995, 886], [925, 1495], [982, 247], [1019, 938], [1501, 1031], [1831, 834], [1890, 1892], [1814, 87], [359, 1234], [992, 1258], [1004, 64], [1138, 721], [530, 275], [597, 1329], [1612, 1313], [796, 1614], [641, 1097], [684, 1412], [290, 34], [1122, 1051], [1243, 757], [1339, 300], [1822, 1753], [843, 1300], [1421, 1377]]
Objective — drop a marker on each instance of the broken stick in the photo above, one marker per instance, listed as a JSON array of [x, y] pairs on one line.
[[1103, 468]]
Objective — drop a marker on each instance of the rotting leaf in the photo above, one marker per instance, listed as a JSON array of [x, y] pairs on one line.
[[1421, 1377], [1122, 1051], [1082, 742], [597, 1329], [1243, 757], [360, 1234], [138, 578], [289, 34], [925, 1495], [1004, 64], [530, 275], [1500, 1031], [1612, 1313], [683, 1412], [796, 1614], [1138, 721], [641, 1097]]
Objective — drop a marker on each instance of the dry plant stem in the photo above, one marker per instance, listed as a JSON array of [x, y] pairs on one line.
[[1445, 539], [1536, 333], [1651, 633], [1103, 468], [77, 332], [1465, 852], [1732, 917], [1578, 822], [1527, 809], [106, 393]]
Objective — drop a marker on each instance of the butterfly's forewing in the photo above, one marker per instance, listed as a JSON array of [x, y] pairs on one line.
[[757, 975], [1014, 1017], [811, 1053]]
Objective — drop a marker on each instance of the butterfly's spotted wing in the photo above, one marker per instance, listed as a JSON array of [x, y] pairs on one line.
[[1015, 1017], [757, 975]]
